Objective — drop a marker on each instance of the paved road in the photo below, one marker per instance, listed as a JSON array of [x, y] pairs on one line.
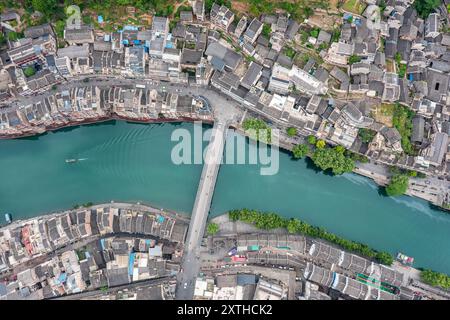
[[129, 286], [222, 106], [430, 188], [191, 262]]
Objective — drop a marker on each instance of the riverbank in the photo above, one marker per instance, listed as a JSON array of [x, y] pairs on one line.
[[380, 177], [74, 124], [122, 205]]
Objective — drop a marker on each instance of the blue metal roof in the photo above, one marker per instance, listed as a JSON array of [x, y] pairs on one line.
[[131, 263]]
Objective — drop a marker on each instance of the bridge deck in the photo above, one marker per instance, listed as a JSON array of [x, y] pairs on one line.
[[213, 159]]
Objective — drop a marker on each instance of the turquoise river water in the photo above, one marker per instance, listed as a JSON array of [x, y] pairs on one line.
[[132, 162]]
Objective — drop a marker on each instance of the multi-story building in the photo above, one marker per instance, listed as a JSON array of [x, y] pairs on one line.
[[253, 31], [221, 17], [135, 60], [160, 30]]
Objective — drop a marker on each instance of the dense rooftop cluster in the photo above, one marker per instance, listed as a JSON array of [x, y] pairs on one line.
[[353, 78], [271, 255], [87, 249]]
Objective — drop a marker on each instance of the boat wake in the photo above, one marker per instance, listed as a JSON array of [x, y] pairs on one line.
[[75, 160]]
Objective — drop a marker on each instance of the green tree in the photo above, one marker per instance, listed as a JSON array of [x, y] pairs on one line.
[[402, 121], [308, 12], [412, 173], [321, 144], [291, 131], [435, 278], [398, 185], [212, 228], [354, 59], [314, 32], [45, 6], [311, 139], [384, 258], [366, 135], [29, 71], [13, 36], [261, 129], [267, 30], [333, 159], [59, 28], [2, 39], [425, 7], [299, 151]]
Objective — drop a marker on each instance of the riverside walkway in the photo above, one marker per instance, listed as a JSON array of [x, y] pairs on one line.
[[191, 263]]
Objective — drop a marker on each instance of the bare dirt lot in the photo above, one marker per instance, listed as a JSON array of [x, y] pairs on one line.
[[324, 20], [383, 113]]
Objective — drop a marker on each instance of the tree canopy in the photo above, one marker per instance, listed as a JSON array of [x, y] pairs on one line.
[[334, 159], [366, 135], [398, 185], [29, 71], [425, 7], [291, 131], [212, 228], [402, 121], [321, 144], [354, 59], [44, 6], [435, 278], [300, 151], [311, 139], [261, 130]]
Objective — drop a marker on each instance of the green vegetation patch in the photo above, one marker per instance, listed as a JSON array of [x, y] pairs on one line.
[[212, 228], [80, 254], [300, 151], [436, 279], [13, 36], [425, 7], [333, 159], [267, 30], [402, 121], [291, 131], [366, 135], [311, 139], [398, 185], [336, 35], [354, 6], [257, 129], [290, 52], [314, 32], [298, 9], [401, 67], [354, 59], [29, 71], [270, 220]]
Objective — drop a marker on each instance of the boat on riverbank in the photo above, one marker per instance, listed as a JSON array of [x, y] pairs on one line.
[[8, 218], [404, 259]]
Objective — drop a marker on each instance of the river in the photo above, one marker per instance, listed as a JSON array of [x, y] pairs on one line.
[[132, 162]]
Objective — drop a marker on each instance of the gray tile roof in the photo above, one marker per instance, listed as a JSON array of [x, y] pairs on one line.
[[252, 75], [230, 57]]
